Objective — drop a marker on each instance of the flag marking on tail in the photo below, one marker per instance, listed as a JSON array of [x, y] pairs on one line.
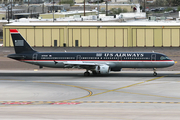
[[13, 31]]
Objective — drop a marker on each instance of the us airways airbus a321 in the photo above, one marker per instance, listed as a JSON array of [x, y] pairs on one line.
[[96, 62]]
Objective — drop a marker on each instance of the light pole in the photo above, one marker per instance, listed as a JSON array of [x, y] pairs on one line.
[[11, 10], [8, 15], [84, 8], [106, 7], [144, 5], [28, 6], [98, 8], [53, 10]]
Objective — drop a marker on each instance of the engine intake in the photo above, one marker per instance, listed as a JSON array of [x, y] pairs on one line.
[[102, 69]]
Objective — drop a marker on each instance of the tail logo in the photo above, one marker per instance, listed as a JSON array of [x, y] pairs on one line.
[[19, 42]]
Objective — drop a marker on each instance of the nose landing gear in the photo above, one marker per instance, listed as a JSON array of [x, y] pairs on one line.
[[155, 73]]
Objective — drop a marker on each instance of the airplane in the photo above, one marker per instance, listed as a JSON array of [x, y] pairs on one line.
[[96, 62]]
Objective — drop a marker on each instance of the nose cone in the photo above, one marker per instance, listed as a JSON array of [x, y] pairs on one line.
[[171, 63]]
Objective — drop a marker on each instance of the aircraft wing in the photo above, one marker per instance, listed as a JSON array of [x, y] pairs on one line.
[[80, 64]]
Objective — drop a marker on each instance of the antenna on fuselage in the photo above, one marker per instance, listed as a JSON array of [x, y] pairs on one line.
[[153, 51], [65, 51]]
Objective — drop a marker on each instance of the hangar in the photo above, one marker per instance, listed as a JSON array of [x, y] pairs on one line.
[[96, 34]]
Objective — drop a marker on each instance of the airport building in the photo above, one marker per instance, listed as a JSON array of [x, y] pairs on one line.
[[96, 34]]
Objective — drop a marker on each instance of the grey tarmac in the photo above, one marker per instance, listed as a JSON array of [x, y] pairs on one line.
[[67, 94], [30, 93]]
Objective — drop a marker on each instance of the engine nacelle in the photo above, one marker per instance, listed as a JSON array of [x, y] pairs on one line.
[[116, 69], [102, 69]]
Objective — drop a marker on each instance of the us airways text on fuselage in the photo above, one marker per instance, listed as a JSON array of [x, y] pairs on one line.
[[123, 55]]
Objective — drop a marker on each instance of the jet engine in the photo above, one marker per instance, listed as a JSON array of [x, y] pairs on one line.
[[102, 69]]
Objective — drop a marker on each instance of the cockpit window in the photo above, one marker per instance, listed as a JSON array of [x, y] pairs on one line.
[[167, 58], [164, 58]]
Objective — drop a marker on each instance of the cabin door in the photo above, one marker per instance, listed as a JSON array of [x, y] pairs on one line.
[[34, 57], [119, 58], [78, 57], [153, 57]]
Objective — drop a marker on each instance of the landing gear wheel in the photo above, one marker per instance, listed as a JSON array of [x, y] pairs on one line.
[[94, 72], [155, 74], [86, 74]]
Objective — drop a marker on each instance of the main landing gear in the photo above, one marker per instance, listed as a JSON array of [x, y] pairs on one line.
[[94, 73], [87, 73], [155, 73]]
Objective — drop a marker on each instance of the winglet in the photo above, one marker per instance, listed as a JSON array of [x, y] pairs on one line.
[[13, 31]]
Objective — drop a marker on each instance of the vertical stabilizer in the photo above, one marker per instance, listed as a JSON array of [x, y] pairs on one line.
[[20, 44]]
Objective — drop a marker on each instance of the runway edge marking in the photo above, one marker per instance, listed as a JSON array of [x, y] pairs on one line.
[[148, 95]]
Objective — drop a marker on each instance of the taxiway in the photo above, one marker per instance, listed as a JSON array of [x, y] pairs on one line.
[[67, 94]]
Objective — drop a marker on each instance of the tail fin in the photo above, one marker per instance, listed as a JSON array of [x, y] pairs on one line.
[[20, 44]]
